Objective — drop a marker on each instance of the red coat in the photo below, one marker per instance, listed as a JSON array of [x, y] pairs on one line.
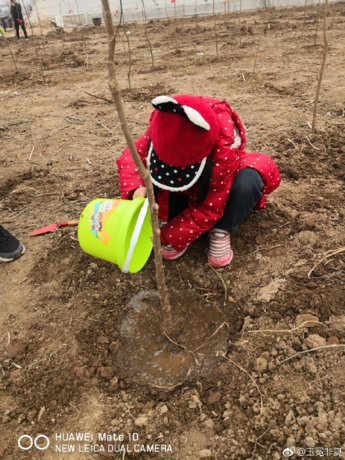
[[229, 157]]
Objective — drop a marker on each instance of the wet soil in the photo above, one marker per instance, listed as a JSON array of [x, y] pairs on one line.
[[68, 361], [153, 357]]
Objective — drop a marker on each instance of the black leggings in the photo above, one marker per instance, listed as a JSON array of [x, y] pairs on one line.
[[244, 194], [17, 25]]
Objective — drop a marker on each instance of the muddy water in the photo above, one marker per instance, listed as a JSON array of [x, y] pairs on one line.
[[151, 358]]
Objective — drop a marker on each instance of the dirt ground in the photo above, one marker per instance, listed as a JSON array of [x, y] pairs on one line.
[[63, 365]]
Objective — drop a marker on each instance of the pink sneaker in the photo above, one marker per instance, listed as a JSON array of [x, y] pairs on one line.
[[169, 253], [220, 252]]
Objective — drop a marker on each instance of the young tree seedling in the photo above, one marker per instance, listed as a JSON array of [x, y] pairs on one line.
[[324, 55], [115, 92], [147, 36]]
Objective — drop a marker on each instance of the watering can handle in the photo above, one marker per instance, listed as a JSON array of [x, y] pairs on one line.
[[135, 235]]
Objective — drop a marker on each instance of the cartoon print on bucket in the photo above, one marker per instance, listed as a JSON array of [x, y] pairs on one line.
[[106, 228], [98, 217]]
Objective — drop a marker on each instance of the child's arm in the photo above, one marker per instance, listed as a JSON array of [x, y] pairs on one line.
[[194, 221], [268, 170], [129, 177]]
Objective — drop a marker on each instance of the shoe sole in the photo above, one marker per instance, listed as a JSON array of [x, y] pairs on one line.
[[176, 257], [19, 254], [224, 265]]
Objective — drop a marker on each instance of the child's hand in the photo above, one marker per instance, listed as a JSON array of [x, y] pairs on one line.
[[141, 191]]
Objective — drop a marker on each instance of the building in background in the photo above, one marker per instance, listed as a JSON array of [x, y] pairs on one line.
[[134, 10]]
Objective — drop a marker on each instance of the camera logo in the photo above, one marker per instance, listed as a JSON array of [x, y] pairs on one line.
[[33, 442], [289, 451]]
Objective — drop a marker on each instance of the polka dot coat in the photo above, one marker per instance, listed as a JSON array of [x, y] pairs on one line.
[[229, 158]]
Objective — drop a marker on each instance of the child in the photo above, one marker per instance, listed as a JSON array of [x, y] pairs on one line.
[[203, 178], [17, 15]]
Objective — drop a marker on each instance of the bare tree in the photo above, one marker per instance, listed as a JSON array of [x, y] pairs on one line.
[[166, 10], [196, 15], [115, 92], [83, 37], [14, 61], [256, 56], [175, 35], [122, 18], [316, 24], [62, 31], [334, 9], [325, 49], [39, 59], [304, 17], [39, 23], [215, 30], [129, 58], [147, 36]]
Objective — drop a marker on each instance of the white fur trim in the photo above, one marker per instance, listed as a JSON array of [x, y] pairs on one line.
[[237, 139], [180, 189], [163, 100], [196, 118]]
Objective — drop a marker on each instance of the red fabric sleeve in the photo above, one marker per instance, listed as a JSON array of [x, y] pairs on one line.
[[196, 220], [268, 170], [193, 222], [129, 176]]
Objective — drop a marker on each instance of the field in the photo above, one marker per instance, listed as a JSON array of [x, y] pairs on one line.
[[66, 364]]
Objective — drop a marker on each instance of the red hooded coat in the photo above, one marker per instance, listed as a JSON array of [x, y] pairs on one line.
[[229, 158]]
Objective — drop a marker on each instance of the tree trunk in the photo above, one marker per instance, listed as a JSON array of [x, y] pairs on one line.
[[115, 92]]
